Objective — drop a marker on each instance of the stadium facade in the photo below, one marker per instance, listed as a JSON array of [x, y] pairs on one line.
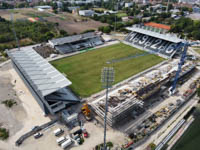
[[47, 85], [76, 42], [153, 40]]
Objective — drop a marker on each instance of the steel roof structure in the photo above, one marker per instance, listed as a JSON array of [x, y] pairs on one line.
[[74, 38], [42, 75], [46, 84], [155, 32]]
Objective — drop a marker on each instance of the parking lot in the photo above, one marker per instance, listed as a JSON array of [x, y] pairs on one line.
[[48, 140]]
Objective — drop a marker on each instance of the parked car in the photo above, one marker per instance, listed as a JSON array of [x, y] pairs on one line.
[[61, 140], [66, 143], [38, 135], [58, 132], [85, 134]]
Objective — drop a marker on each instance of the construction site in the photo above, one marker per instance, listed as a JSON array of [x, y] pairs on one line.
[[137, 106], [134, 97]]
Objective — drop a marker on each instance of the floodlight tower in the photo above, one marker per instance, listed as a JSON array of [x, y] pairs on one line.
[[167, 6], [116, 7], [13, 29], [107, 78]]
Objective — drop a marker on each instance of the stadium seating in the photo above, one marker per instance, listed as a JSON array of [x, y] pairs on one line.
[[152, 44], [76, 42], [63, 49]]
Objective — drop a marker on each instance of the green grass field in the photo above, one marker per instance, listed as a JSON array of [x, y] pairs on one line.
[[122, 14], [190, 139], [84, 70]]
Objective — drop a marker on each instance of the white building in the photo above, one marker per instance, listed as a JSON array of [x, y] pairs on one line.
[[43, 7], [59, 4], [86, 13], [128, 5], [175, 11]]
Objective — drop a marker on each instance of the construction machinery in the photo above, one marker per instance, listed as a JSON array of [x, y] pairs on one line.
[[184, 46], [86, 111]]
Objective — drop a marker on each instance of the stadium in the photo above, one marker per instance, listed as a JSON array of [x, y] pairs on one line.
[[143, 64], [76, 42]]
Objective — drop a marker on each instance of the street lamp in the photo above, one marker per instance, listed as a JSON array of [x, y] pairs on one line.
[[107, 78]]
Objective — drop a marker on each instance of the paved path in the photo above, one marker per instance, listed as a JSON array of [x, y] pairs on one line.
[[4, 63]]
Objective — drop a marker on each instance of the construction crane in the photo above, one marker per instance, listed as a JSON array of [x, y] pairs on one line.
[[184, 46], [13, 29]]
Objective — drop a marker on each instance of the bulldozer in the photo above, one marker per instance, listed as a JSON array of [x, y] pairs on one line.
[[86, 112]]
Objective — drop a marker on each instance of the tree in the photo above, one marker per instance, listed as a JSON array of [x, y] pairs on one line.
[[4, 133], [63, 33], [170, 7], [107, 29], [49, 35], [54, 6], [196, 34], [2, 19], [55, 11], [101, 28]]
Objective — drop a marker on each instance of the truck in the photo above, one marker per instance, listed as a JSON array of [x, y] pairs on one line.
[[61, 140], [66, 143], [58, 132]]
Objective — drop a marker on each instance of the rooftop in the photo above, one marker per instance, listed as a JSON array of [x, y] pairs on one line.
[[155, 32], [74, 38], [157, 25], [43, 77]]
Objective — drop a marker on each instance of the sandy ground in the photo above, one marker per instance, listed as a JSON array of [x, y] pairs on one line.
[[71, 23], [95, 137], [27, 113], [22, 117], [70, 26]]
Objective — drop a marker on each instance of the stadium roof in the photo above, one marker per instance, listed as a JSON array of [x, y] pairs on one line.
[[157, 25], [74, 38], [155, 33], [43, 77]]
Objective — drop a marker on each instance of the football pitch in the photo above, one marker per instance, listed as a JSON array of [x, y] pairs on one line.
[[84, 70]]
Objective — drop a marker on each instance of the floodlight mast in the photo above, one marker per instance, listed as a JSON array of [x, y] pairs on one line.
[[13, 29], [107, 78]]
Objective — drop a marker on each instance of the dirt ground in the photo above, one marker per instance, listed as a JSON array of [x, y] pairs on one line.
[[17, 13], [17, 112], [21, 117], [95, 137], [73, 24], [26, 114]]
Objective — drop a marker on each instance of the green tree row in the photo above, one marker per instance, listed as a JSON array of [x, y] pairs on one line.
[[187, 27], [37, 32]]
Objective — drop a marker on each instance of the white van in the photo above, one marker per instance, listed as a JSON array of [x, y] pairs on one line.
[[66, 143], [58, 132], [61, 140]]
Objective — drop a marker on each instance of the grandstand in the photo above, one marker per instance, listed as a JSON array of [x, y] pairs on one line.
[[154, 40], [76, 42], [47, 85]]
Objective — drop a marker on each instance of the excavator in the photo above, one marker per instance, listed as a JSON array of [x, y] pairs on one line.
[[86, 111]]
